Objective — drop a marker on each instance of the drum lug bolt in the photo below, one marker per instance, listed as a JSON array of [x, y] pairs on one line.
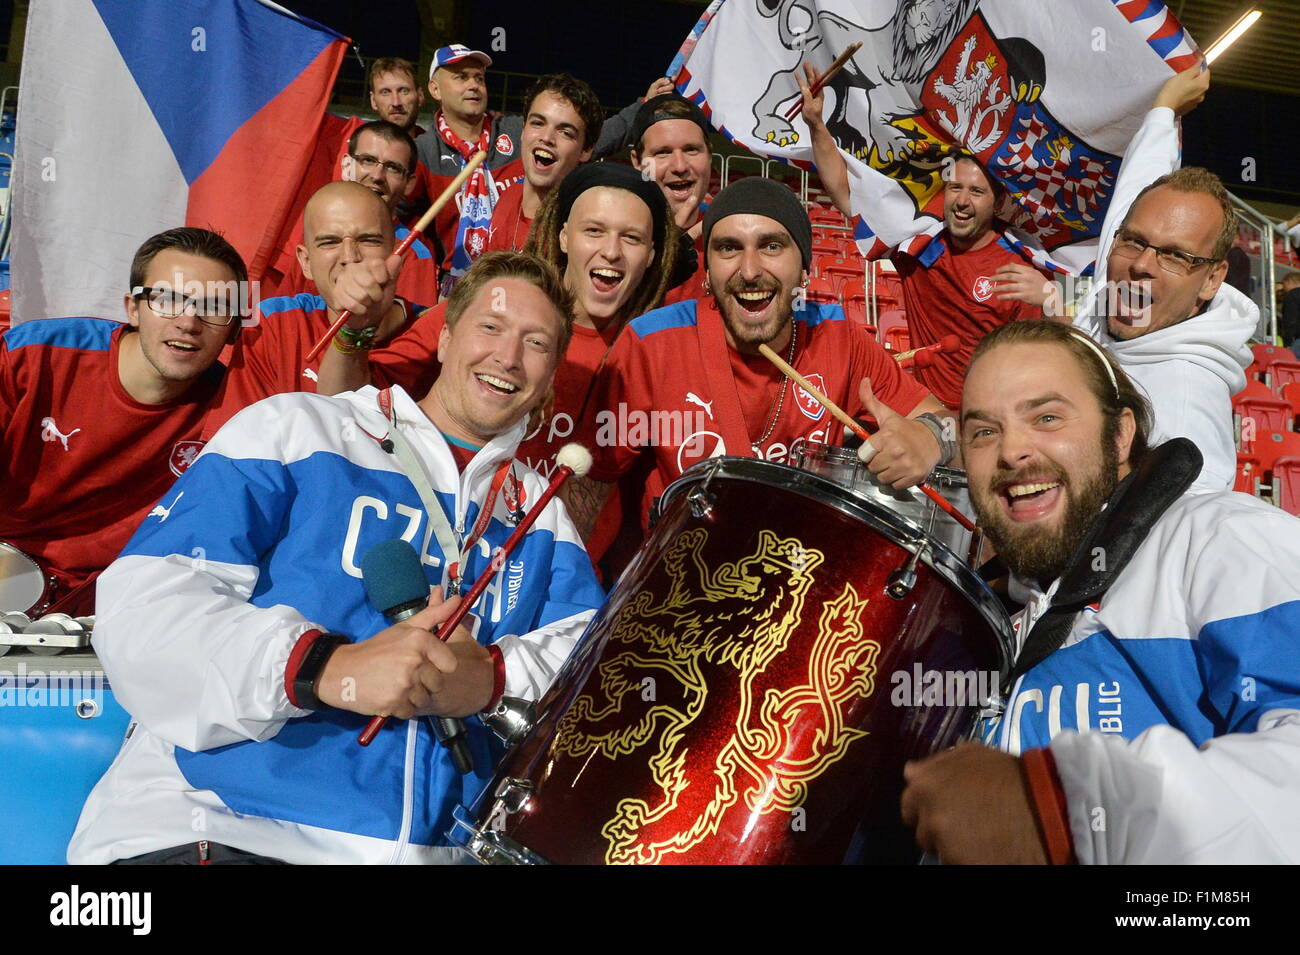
[[701, 504], [513, 795], [511, 719], [903, 580]]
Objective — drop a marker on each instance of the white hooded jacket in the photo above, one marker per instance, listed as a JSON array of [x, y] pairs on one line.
[[1191, 370]]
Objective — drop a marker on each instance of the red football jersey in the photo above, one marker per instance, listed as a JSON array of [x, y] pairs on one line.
[[655, 391], [270, 357], [509, 229], [951, 293], [693, 287], [83, 461]]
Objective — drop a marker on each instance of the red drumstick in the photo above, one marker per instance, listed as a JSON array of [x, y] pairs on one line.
[[821, 81], [452, 188], [948, 343], [572, 459], [860, 431]]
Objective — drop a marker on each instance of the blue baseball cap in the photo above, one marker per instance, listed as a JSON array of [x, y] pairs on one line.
[[447, 55]]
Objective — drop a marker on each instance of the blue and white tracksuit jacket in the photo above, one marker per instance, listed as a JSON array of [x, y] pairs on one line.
[[258, 543], [1173, 708]]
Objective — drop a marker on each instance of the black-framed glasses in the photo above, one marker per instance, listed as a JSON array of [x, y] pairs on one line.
[[172, 303], [367, 163], [1174, 261]]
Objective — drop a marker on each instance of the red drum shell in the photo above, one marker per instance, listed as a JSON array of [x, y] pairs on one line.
[[746, 695]]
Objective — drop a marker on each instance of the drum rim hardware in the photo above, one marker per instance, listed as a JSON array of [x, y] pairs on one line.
[[700, 500], [902, 531], [489, 845]]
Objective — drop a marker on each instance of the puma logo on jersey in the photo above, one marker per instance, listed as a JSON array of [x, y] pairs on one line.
[[165, 512], [697, 400], [309, 374], [50, 432]]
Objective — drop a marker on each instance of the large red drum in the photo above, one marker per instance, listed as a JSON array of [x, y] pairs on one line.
[[751, 690]]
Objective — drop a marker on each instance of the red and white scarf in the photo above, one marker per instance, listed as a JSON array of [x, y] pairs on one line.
[[478, 197]]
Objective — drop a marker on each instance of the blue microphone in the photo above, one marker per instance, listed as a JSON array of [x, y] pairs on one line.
[[396, 586]]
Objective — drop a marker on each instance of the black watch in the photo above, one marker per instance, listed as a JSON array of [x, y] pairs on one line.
[[304, 681]]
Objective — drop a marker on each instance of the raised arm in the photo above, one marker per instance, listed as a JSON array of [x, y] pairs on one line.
[[829, 160]]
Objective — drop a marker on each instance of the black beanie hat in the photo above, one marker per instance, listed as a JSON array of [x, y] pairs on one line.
[[755, 195], [616, 176]]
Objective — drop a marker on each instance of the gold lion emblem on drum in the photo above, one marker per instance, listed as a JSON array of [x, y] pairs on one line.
[[715, 634]]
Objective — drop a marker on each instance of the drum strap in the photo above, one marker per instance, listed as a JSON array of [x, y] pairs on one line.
[[1133, 509], [716, 357]]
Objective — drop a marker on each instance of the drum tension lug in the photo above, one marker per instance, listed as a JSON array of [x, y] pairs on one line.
[[513, 795], [903, 580], [701, 502]]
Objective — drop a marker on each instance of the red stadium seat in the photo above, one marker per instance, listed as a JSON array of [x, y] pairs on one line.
[[821, 288], [1264, 352], [1254, 389], [1268, 446], [846, 272], [1248, 474], [855, 309], [1290, 393], [821, 215], [899, 339], [1282, 373], [1286, 484], [890, 318], [1255, 414], [1265, 355]]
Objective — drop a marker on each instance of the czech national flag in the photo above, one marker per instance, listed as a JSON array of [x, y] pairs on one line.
[[136, 116]]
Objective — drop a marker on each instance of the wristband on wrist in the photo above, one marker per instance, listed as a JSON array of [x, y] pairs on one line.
[[1047, 799], [310, 667], [940, 428], [349, 341], [498, 676]]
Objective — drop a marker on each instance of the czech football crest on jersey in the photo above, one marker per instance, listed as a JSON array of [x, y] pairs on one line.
[[809, 405], [982, 289], [183, 455]]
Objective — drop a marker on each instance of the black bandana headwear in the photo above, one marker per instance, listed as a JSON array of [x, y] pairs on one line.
[[615, 176]]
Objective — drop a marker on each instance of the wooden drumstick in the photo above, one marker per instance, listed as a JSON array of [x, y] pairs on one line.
[[452, 188], [820, 83], [860, 431]]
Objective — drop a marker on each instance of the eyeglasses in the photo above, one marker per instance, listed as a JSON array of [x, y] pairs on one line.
[[1173, 261], [367, 163], [171, 303]]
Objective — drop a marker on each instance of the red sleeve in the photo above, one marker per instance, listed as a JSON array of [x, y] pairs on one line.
[[9, 390], [411, 359], [621, 387], [252, 374], [891, 384], [418, 281]]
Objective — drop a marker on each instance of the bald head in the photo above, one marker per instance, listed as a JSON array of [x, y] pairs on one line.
[[350, 199], [1290, 280], [344, 224]]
